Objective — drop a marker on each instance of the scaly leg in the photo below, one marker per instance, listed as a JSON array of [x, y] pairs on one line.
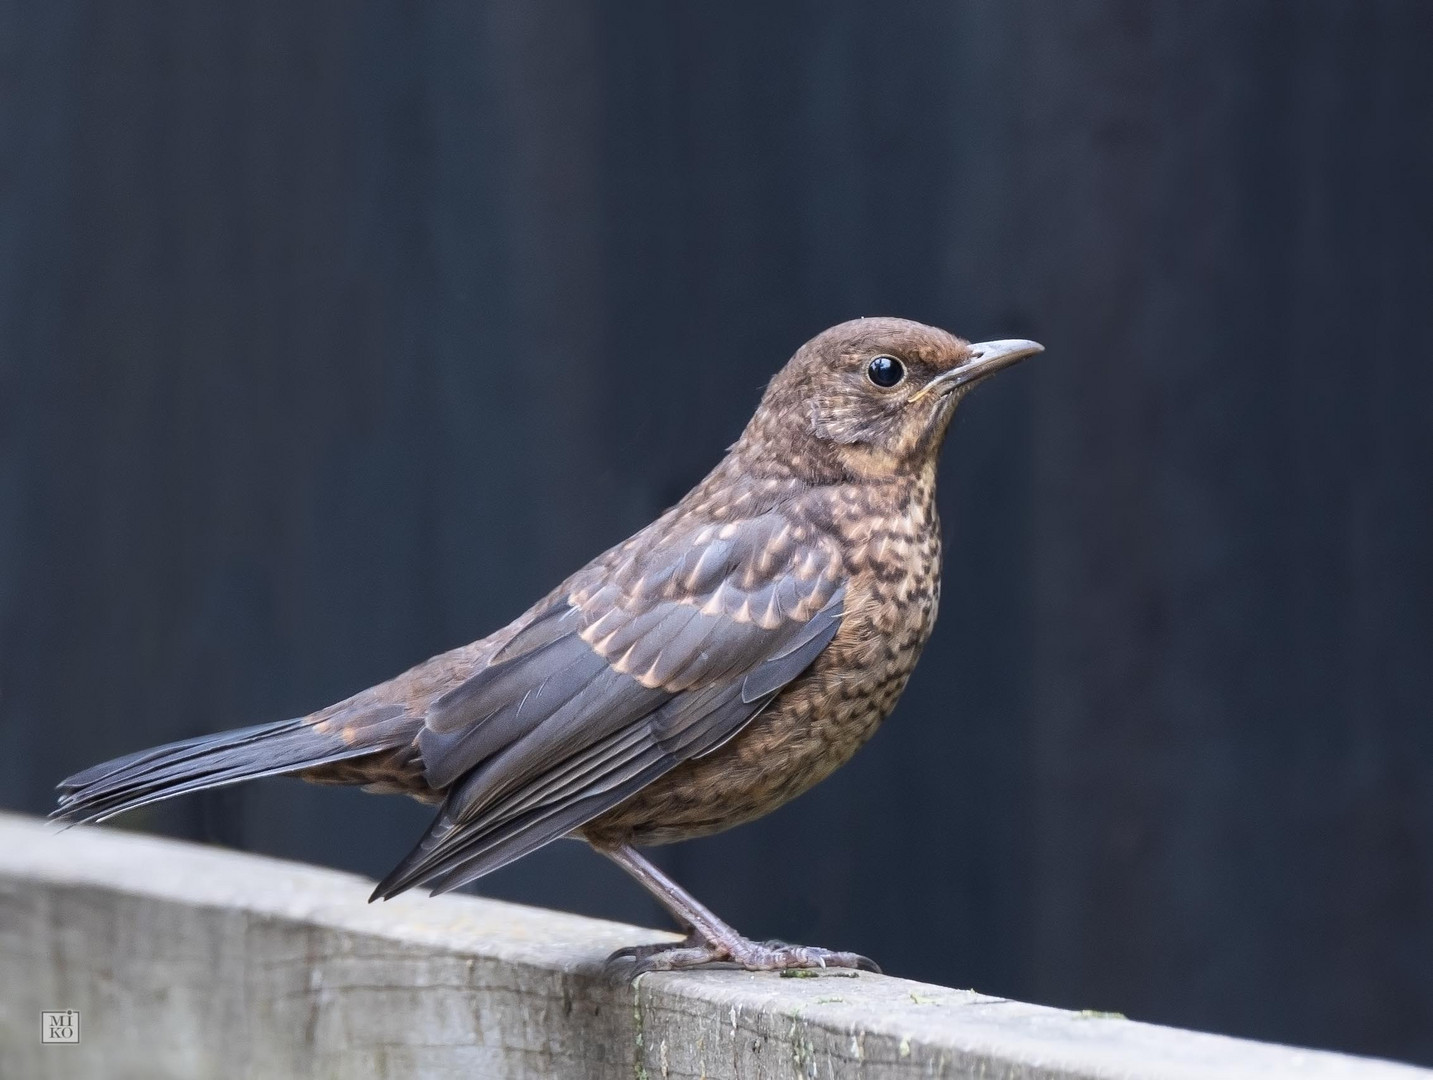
[[710, 940]]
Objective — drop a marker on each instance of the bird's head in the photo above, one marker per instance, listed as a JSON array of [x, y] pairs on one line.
[[874, 397]]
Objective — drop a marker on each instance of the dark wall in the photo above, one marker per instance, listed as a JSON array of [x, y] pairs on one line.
[[331, 335]]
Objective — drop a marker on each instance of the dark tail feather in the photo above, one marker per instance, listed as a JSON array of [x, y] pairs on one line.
[[229, 757]]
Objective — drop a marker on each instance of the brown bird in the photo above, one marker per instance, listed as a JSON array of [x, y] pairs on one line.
[[700, 674]]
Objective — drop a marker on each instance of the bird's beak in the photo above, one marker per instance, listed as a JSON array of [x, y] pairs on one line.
[[988, 357]]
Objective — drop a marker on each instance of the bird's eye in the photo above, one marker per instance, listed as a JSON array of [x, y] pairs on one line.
[[885, 371]]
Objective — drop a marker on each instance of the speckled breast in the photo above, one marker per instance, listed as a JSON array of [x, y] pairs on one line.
[[890, 541]]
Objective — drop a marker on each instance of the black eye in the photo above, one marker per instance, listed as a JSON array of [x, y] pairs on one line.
[[885, 371]]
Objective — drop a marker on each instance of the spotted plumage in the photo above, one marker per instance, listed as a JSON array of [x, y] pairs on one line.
[[696, 676]]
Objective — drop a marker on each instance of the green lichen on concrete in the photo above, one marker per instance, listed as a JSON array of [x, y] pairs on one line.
[[803, 1052], [639, 1067]]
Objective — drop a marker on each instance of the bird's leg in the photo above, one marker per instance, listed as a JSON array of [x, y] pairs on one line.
[[711, 940]]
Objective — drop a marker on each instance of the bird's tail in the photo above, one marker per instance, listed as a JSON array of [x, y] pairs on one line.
[[229, 757]]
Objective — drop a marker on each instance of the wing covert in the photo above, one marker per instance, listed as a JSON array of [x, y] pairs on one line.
[[653, 654]]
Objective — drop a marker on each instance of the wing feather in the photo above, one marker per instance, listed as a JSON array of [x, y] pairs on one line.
[[654, 654]]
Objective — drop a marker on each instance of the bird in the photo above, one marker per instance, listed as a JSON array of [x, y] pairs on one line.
[[715, 665]]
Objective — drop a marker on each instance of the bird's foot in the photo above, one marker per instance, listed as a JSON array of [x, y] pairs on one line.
[[696, 952]]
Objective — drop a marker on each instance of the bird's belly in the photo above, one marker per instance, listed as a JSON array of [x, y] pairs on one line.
[[812, 727]]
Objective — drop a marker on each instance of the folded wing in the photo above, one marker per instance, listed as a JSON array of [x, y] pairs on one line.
[[655, 654]]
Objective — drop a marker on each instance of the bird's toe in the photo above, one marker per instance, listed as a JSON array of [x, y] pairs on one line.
[[779, 956], [678, 958], [659, 956]]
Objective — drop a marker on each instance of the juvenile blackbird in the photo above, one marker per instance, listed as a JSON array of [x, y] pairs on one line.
[[696, 676]]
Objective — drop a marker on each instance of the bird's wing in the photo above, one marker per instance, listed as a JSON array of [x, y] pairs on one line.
[[654, 654]]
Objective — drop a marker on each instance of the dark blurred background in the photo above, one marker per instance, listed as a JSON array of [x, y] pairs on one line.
[[333, 334]]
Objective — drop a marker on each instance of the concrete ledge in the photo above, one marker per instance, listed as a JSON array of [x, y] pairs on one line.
[[185, 961]]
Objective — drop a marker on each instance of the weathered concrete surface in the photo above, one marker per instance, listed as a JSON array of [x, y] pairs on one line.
[[189, 962]]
